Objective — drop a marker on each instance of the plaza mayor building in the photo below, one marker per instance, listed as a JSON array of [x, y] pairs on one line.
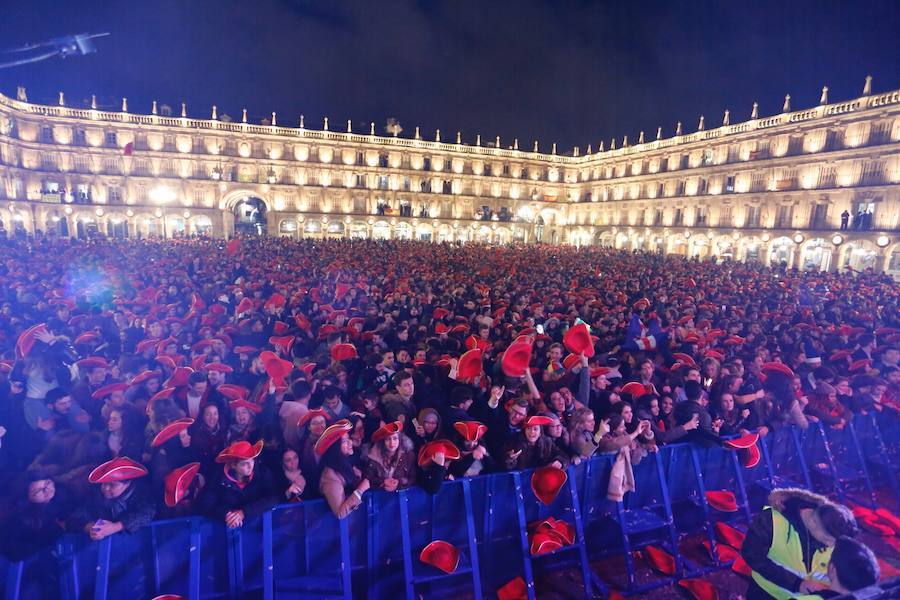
[[813, 188]]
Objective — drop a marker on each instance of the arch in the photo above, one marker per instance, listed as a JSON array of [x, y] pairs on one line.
[[781, 251], [201, 225], [358, 230], [750, 249], [725, 247], [118, 225], [230, 199], [334, 229], [892, 260], [288, 228], [816, 254], [551, 216], [250, 215], [381, 230], [56, 222], [859, 255], [607, 238], [503, 235], [424, 232], [482, 234], [403, 231]]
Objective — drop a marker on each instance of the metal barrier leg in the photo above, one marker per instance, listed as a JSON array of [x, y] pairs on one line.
[[372, 547], [862, 464], [101, 585], [14, 580], [194, 568], [268, 558], [832, 468], [741, 485], [407, 546], [346, 566], [523, 536], [587, 575], [473, 545], [883, 453], [798, 446], [670, 519], [704, 505]]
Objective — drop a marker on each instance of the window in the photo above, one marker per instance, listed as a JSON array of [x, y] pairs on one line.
[[679, 217], [729, 184], [818, 218], [142, 167], [383, 159], [784, 216], [79, 138], [447, 187], [701, 215], [425, 186], [142, 194], [46, 135], [360, 180], [752, 216], [110, 139], [383, 182], [488, 169], [707, 157], [360, 158], [199, 196], [168, 168], [426, 164], [725, 216], [359, 204], [506, 169], [111, 166], [406, 184], [48, 162], [114, 194]]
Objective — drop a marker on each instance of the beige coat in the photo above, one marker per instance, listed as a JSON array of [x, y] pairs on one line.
[[331, 486]]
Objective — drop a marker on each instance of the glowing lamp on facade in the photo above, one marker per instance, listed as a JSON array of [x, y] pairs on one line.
[[882, 241], [735, 235], [837, 240], [129, 212], [798, 238], [162, 194], [68, 210], [765, 237], [99, 212]]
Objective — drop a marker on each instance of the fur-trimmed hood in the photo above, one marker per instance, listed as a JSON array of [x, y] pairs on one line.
[[781, 498]]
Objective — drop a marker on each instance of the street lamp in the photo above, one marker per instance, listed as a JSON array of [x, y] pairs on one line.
[[162, 195]]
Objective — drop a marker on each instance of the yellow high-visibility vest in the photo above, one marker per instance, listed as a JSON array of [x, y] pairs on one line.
[[787, 551]]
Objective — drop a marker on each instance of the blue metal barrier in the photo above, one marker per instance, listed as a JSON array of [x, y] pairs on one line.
[[301, 551]]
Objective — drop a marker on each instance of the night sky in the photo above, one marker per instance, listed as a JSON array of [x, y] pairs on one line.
[[565, 71]]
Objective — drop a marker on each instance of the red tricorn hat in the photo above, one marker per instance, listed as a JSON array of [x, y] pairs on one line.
[[727, 534], [469, 364], [634, 389], [179, 377], [660, 560], [220, 367], [277, 369], [147, 344], [598, 371], [441, 328], [92, 362], [311, 414], [570, 361], [723, 554], [341, 352], [473, 341], [171, 430], [578, 340], [743, 442], [386, 430], [232, 391], [244, 349], [538, 421], [245, 305], [546, 483], [27, 339], [84, 338], [714, 354], [107, 390], [439, 313], [117, 469], [751, 456], [440, 555], [543, 542], [642, 304], [515, 589], [240, 451], [244, 403], [282, 343], [276, 301], [331, 434], [777, 367], [741, 567], [471, 431], [279, 328], [515, 359], [163, 393], [178, 482], [860, 365], [175, 596], [427, 452], [700, 589], [722, 500]]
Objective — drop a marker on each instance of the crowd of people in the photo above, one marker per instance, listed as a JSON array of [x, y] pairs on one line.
[[144, 379]]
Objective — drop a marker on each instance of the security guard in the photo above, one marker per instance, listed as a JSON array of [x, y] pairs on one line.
[[789, 545]]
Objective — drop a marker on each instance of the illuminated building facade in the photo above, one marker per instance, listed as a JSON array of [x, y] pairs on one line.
[[771, 189]]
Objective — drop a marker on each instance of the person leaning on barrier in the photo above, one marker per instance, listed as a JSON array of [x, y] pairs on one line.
[[341, 484], [243, 488], [121, 503], [789, 545]]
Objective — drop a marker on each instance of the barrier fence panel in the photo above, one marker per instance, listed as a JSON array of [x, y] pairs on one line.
[[301, 550]]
